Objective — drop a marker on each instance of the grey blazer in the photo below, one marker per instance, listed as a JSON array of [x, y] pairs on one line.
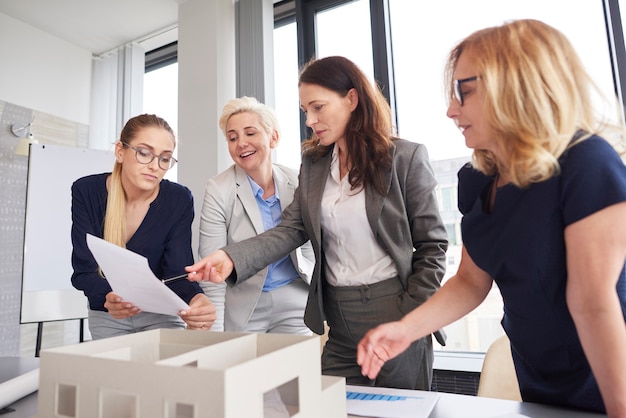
[[406, 223], [230, 214]]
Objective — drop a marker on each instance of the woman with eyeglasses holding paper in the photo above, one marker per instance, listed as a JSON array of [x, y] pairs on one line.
[[544, 216], [135, 208]]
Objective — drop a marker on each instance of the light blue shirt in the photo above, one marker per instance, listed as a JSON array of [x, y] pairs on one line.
[[280, 272]]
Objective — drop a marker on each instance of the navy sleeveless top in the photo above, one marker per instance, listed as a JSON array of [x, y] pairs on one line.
[[521, 245]]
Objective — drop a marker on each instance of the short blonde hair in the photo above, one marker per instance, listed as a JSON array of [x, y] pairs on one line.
[[251, 105], [537, 96]]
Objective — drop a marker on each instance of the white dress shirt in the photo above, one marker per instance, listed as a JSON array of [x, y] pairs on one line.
[[353, 256]]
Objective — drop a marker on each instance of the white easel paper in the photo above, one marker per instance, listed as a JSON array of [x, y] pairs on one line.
[[18, 387]]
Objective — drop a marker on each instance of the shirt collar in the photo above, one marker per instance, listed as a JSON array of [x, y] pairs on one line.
[[257, 191]]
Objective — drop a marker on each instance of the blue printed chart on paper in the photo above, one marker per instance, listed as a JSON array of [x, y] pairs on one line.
[[377, 402]]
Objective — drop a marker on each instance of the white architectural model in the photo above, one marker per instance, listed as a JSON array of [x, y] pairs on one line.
[[189, 374]]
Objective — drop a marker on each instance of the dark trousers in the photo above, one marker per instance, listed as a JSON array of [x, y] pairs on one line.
[[351, 311]]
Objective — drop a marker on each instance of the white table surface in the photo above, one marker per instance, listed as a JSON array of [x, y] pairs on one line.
[[448, 406]]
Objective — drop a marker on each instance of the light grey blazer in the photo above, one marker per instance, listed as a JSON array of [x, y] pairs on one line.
[[406, 223], [230, 214]]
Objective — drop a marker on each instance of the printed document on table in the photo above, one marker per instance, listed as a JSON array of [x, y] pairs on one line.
[[368, 401], [130, 277]]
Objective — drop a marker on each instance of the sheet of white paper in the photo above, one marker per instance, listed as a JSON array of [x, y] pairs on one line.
[[366, 401], [130, 276]]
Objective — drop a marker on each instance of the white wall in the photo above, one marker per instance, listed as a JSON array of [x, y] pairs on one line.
[[42, 72], [44, 76]]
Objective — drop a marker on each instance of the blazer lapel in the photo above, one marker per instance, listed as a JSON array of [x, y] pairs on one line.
[[373, 201], [315, 178], [285, 187], [317, 182], [245, 196]]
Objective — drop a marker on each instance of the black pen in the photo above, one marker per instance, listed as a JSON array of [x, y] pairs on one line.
[[171, 279]]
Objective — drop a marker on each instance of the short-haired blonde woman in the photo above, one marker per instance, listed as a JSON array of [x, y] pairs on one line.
[[544, 216], [135, 208], [243, 201]]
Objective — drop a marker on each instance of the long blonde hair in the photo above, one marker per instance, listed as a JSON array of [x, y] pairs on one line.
[[537, 97], [115, 215]]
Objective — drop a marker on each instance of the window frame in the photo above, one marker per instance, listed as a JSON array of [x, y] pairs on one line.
[[161, 57]]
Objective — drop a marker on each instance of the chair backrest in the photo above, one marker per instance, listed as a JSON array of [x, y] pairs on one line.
[[497, 378]]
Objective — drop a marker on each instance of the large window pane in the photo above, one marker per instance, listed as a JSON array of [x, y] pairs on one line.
[[346, 30], [422, 35], [286, 95], [160, 97]]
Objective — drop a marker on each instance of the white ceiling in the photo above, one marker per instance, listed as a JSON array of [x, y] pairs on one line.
[[95, 25]]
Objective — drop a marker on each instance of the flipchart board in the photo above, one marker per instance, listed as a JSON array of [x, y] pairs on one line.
[[47, 292]]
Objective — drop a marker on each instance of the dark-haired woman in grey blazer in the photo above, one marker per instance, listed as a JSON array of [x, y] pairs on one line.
[[366, 200]]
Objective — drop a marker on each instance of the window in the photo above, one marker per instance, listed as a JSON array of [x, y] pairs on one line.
[[452, 240], [160, 97], [287, 103], [447, 198], [419, 65], [328, 41], [66, 400], [115, 404], [179, 410]]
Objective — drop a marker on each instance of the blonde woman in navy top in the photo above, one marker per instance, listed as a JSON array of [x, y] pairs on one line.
[[544, 205], [135, 208]]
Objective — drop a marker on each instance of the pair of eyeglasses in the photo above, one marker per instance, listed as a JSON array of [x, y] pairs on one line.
[[458, 88], [144, 156]]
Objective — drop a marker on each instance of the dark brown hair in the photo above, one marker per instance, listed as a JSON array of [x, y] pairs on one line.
[[369, 131]]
